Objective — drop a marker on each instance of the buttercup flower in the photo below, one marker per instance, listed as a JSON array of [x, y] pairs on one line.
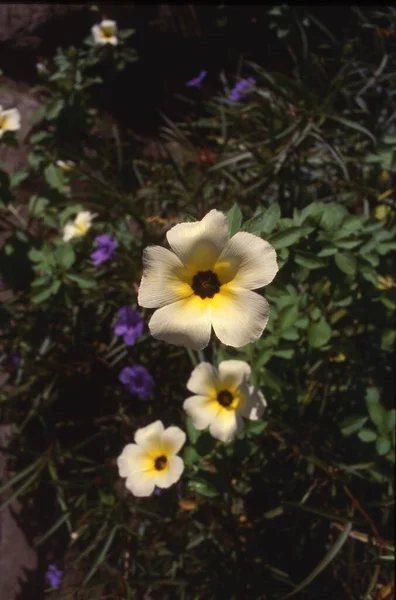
[[105, 32], [129, 324], [206, 282], [54, 576], [152, 460], [223, 397], [242, 86], [66, 165], [138, 381], [10, 120], [196, 82], [106, 247], [78, 227]]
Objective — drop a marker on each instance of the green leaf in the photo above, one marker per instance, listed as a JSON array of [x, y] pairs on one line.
[[65, 255], [319, 333], [85, 282], [352, 425], [288, 317], [256, 427], [383, 446], [190, 456], [204, 488], [37, 206], [333, 216], [327, 250], [234, 217], [377, 412], [17, 178], [43, 293], [309, 260], [53, 108], [285, 238], [272, 217], [346, 262], [193, 434], [367, 435], [55, 178], [353, 125]]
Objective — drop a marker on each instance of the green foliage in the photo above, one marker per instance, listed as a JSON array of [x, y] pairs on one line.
[[300, 162]]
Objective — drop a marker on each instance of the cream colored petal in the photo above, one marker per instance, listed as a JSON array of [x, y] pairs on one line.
[[248, 261], [1, 132], [141, 484], [184, 323], [84, 218], [201, 410], [166, 478], [69, 231], [172, 440], [239, 316], [96, 33], [113, 41], [148, 438], [133, 460], [234, 372], [203, 240], [13, 119], [226, 425], [202, 379], [252, 405], [108, 23], [160, 284]]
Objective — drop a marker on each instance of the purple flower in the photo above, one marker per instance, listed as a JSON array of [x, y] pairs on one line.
[[54, 576], [196, 82], [106, 246], [129, 324], [138, 381], [242, 86], [15, 359]]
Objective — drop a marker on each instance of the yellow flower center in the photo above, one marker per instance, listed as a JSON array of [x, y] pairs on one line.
[[205, 284], [225, 398], [107, 32], [160, 463], [82, 228], [3, 122]]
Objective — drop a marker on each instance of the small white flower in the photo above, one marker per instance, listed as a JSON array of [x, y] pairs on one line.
[[66, 165], [105, 33], [206, 282], [10, 120], [222, 398], [41, 68], [78, 227], [152, 460]]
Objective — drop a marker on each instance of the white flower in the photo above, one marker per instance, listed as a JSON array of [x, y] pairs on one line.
[[151, 461], [10, 120], [206, 282], [78, 227], [105, 32], [66, 165], [41, 68], [222, 398]]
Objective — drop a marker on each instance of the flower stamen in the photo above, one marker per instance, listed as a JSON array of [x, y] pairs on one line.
[[205, 284], [160, 463], [225, 398]]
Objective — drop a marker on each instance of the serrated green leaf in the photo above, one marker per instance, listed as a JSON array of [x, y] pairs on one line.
[[285, 238], [234, 217], [309, 260], [319, 333], [85, 282], [55, 178], [288, 317]]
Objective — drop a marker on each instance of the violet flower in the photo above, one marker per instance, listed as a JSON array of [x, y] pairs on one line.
[[196, 82], [129, 324], [137, 380], [242, 86], [54, 576], [106, 247]]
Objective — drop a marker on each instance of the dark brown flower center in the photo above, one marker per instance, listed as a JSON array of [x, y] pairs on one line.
[[225, 398], [160, 463], [205, 284]]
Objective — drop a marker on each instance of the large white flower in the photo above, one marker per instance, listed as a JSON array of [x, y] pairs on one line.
[[10, 120], [105, 32], [152, 460], [78, 227], [222, 398], [206, 282]]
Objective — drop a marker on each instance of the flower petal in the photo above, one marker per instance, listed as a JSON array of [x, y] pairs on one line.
[[169, 476], [201, 410], [146, 436], [226, 425], [160, 284], [141, 484], [252, 405], [251, 261], [12, 118], [202, 379], [69, 231], [206, 237], [238, 316], [234, 372], [172, 440], [133, 460], [184, 323]]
